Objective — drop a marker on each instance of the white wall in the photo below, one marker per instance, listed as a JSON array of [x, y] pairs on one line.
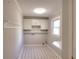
[[13, 35], [51, 37], [39, 36]]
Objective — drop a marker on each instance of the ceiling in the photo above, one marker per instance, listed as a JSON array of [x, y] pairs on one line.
[[52, 7]]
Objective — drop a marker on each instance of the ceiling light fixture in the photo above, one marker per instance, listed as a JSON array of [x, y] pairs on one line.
[[39, 10]]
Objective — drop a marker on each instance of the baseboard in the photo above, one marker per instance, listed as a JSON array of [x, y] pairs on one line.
[[33, 45]]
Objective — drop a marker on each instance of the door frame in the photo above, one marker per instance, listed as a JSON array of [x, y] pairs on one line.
[[68, 32]]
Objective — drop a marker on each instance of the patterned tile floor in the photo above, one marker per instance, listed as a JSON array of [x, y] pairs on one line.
[[37, 52]]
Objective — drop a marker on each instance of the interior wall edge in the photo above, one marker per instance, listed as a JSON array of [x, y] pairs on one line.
[[13, 35]]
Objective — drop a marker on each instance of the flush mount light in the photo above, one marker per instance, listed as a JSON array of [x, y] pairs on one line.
[[39, 10]]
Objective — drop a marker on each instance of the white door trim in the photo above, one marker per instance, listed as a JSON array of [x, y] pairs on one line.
[[67, 29]]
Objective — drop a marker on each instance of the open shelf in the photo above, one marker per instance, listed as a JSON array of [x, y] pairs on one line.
[[26, 30], [31, 30], [36, 26], [44, 29]]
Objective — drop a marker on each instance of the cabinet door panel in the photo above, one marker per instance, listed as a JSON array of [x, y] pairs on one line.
[[44, 24], [27, 24]]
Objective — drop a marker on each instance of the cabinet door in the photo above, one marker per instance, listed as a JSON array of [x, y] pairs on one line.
[[35, 21], [41, 22], [35, 38], [44, 24], [27, 24]]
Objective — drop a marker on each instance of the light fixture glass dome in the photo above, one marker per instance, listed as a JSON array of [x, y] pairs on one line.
[[39, 10]]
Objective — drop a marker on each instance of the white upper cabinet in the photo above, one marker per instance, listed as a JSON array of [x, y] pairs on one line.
[[35, 22], [43, 23], [27, 23]]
